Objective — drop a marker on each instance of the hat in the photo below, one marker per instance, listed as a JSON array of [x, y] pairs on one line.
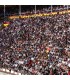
[[69, 65]]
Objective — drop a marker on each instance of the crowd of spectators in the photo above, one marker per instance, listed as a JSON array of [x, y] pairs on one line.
[[37, 46], [47, 9]]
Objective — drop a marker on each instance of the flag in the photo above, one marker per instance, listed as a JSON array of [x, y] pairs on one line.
[[6, 23], [47, 50]]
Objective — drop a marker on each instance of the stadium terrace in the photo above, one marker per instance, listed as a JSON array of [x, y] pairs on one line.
[[36, 43]]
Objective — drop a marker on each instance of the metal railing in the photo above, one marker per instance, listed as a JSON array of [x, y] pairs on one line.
[[50, 9]]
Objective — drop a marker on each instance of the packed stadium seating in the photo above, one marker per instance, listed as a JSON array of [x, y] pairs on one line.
[[37, 45]]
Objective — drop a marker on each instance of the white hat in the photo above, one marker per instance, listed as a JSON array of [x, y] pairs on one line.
[[69, 65], [50, 66], [32, 58]]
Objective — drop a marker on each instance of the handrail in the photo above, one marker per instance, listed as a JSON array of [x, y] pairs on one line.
[[39, 15]]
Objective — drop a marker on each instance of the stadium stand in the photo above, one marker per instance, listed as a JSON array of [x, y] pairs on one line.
[[36, 45]]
